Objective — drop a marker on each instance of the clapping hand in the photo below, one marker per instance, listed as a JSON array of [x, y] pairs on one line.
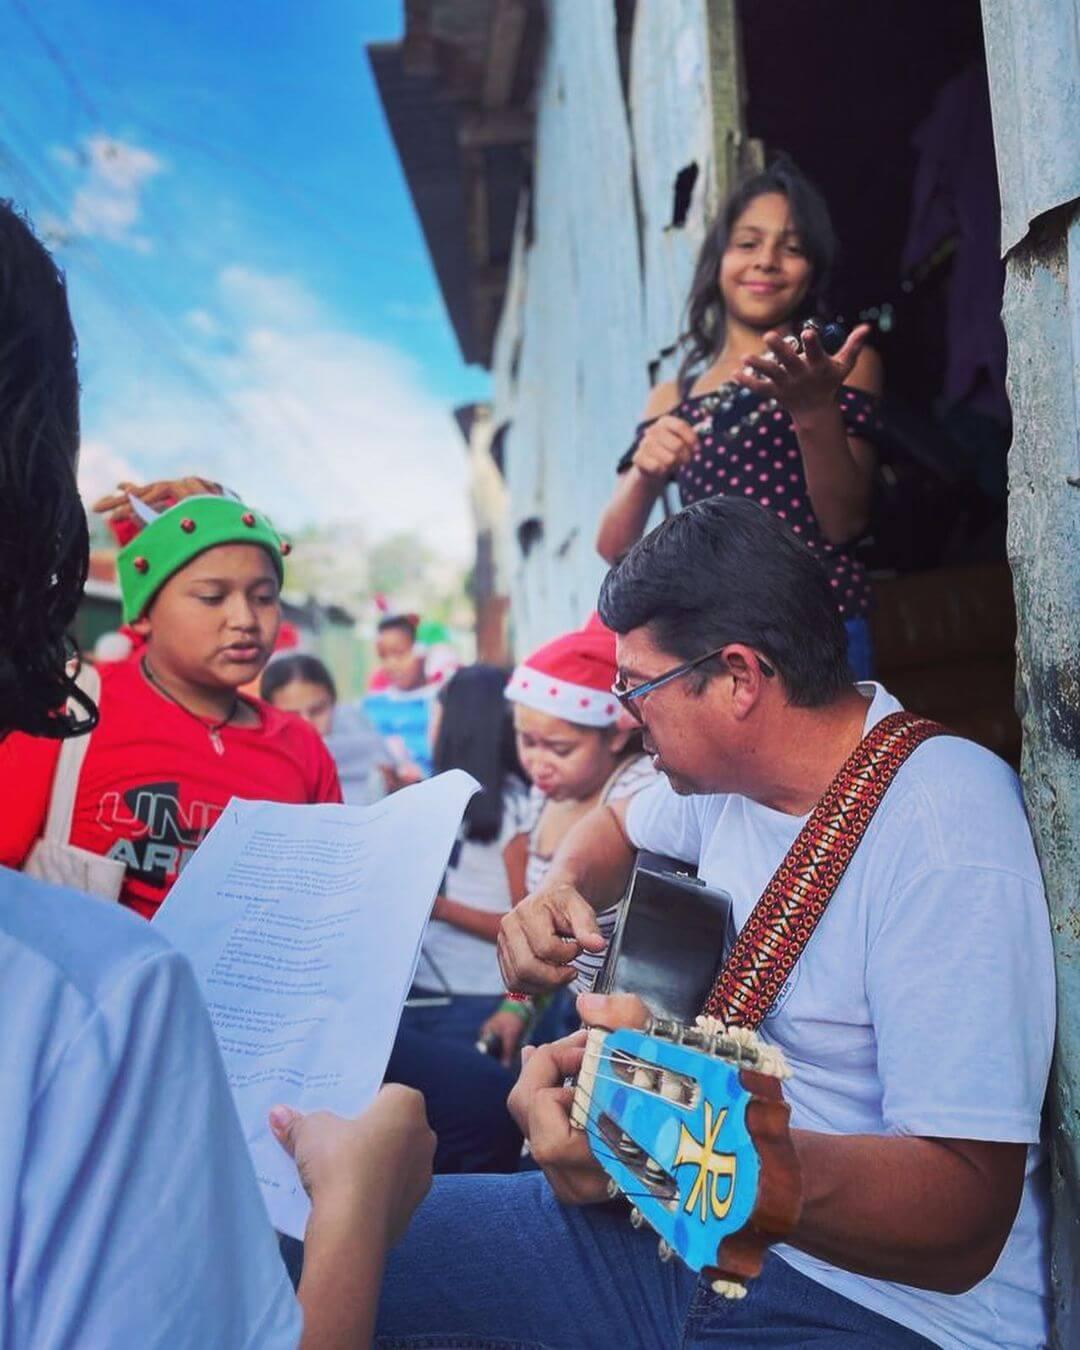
[[802, 382]]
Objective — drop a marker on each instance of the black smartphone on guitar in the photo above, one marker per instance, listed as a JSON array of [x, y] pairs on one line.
[[670, 940]]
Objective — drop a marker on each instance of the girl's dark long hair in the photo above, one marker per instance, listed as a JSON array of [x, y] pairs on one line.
[[44, 541], [477, 735], [703, 336]]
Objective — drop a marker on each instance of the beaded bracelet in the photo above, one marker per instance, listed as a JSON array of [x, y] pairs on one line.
[[519, 1004]]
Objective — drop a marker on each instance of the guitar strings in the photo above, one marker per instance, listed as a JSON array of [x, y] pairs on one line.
[[606, 1151], [602, 1056]]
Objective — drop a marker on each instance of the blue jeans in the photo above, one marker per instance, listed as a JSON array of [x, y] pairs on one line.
[[458, 1020], [465, 1093], [496, 1263], [860, 648]]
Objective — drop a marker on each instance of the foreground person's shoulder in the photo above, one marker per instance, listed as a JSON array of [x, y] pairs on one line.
[[58, 935]]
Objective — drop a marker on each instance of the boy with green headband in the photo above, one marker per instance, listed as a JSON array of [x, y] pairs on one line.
[[176, 740]]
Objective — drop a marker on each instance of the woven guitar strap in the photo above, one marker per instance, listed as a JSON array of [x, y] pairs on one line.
[[783, 920]]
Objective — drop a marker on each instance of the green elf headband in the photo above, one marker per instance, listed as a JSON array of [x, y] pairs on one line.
[[177, 536]]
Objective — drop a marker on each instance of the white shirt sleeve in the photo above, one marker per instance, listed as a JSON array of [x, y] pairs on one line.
[[959, 981], [141, 1222], [658, 820]]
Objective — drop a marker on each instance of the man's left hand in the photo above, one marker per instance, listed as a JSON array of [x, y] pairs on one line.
[[541, 1105]]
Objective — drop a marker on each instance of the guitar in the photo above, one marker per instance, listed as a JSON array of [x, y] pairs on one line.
[[669, 940], [690, 1125]]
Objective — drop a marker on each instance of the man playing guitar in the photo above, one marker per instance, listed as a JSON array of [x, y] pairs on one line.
[[917, 1024]]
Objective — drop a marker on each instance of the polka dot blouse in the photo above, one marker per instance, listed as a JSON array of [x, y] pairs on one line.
[[761, 460]]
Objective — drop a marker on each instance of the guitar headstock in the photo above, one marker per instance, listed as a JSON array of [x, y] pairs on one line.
[[690, 1124]]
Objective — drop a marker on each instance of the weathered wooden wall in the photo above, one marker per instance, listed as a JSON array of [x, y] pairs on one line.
[[1033, 56], [600, 272]]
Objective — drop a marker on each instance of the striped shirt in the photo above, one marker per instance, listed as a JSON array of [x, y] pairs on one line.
[[629, 778]]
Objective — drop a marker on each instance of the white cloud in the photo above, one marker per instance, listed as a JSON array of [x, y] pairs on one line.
[[320, 424], [203, 322], [258, 299], [107, 203], [101, 468]]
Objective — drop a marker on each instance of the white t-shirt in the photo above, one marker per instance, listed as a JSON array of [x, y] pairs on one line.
[[924, 1002], [468, 964], [129, 1211]]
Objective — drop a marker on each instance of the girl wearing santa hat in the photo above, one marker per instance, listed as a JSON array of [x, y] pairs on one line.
[[576, 749]]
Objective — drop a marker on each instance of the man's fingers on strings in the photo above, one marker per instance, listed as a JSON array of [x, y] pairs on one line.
[[581, 919], [546, 1066], [524, 969], [557, 949], [549, 1064]]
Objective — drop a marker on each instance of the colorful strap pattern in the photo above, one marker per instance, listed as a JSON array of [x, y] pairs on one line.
[[782, 921]]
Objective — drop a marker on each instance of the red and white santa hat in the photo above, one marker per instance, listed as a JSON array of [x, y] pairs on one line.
[[571, 677]]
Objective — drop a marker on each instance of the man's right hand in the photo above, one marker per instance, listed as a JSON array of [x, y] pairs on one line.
[[540, 937], [665, 447]]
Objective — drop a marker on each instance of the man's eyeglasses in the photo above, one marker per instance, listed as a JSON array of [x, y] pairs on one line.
[[628, 697]]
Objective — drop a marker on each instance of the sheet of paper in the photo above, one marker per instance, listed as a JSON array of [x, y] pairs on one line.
[[303, 924]]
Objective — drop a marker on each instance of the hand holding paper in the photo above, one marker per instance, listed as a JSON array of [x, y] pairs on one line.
[[303, 924]]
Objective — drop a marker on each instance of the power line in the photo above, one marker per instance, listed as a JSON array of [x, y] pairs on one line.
[[93, 110], [126, 304], [220, 155], [166, 340], [57, 57]]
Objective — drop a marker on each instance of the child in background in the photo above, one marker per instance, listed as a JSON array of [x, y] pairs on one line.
[[175, 739], [574, 748], [301, 684], [486, 875], [400, 711]]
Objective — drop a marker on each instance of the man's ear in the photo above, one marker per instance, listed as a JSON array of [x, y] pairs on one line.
[[141, 626], [745, 678]]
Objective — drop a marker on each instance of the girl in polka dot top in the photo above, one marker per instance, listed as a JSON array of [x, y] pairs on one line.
[[800, 441]]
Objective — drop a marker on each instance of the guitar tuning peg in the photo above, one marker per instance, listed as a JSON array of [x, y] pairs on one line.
[[612, 1189], [636, 1217], [729, 1288], [664, 1250]]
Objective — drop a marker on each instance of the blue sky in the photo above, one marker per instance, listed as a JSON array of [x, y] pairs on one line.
[[249, 282]]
